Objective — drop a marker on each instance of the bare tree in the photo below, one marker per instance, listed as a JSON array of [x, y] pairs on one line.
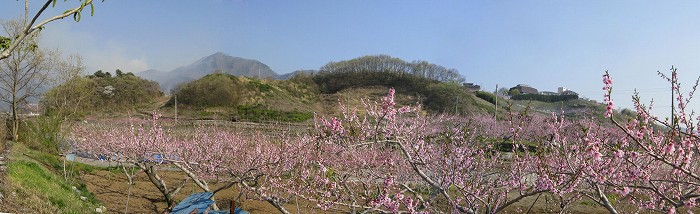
[[70, 92], [29, 27], [22, 73]]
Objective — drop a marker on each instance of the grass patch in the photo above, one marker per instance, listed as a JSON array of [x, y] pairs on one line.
[[204, 113], [37, 189], [51, 160], [257, 113], [42, 133], [262, 87]]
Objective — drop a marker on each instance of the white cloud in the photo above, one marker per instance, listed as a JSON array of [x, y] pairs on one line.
[[97, 53], [111, 58]]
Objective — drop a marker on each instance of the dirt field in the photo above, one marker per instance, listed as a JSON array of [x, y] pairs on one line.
[[111, 188]]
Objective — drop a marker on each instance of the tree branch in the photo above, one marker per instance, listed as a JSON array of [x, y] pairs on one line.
[[29, 29]]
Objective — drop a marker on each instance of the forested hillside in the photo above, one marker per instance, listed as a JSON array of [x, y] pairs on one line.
[[101, 92]]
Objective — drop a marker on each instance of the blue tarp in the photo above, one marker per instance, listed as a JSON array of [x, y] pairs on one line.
[[200, 201]]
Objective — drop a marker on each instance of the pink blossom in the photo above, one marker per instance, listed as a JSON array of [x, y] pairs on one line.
[[669, 149], [389, 181], [607, 99], [626, 191], [618, 153]]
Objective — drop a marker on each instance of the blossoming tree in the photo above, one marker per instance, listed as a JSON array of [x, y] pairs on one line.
[[389, 159]]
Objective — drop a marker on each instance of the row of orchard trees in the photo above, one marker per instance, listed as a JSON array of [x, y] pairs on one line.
[[393, 159]]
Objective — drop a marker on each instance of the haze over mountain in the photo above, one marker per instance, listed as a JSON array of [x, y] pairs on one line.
[[215, 63], [294, 73]]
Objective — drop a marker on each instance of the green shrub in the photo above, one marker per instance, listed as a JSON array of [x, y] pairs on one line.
[[489, 97], [211, 91], [257, 113], [262, 87], [42, 133], [334, 82], [448, 97]]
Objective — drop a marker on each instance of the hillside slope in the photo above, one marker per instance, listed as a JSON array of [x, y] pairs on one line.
[[228, 97]]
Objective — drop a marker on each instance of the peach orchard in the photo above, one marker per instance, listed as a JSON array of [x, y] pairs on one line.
[[387, 159]]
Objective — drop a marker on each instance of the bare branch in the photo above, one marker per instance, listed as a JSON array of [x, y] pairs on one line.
[[30, 28]]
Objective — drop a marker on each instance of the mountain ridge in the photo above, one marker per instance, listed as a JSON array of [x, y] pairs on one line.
[[218, 62]]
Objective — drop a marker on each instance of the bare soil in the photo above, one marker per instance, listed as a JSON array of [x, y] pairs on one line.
[[111, 188]]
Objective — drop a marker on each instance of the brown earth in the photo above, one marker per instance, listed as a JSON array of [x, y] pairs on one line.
[[110, 187]]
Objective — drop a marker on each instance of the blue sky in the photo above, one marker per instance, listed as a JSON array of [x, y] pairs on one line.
[[545, 44]]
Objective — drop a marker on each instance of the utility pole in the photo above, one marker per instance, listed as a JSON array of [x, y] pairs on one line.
[[456, 104], [495, 105], [673, 82], [175, 108]]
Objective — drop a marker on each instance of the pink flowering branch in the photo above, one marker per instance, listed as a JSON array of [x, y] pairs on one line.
[[663, 159]]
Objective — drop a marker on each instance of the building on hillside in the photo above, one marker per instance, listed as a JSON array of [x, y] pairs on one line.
[[565, 91], [561, 90], [472, 86], [569, 92], [525, 89]]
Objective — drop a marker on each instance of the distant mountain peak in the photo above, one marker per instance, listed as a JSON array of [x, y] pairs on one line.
[[218, 55], [217, 62], [150, 71]]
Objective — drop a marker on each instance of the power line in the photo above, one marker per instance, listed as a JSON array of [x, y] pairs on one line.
[[626, 92], [630, 90]]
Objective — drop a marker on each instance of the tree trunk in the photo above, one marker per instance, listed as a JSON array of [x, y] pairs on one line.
[[159, 183], [168, 194], [15, 121]]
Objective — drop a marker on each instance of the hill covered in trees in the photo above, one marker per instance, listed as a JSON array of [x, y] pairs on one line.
[[249, 99], [382, 70], [436, 88], [296, 97], [439, 89], [101, 92]]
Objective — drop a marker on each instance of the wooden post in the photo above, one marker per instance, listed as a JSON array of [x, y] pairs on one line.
[[673, 114], [194, 211], [495, 105], [65, 177], [233, 206], [175, 107]]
